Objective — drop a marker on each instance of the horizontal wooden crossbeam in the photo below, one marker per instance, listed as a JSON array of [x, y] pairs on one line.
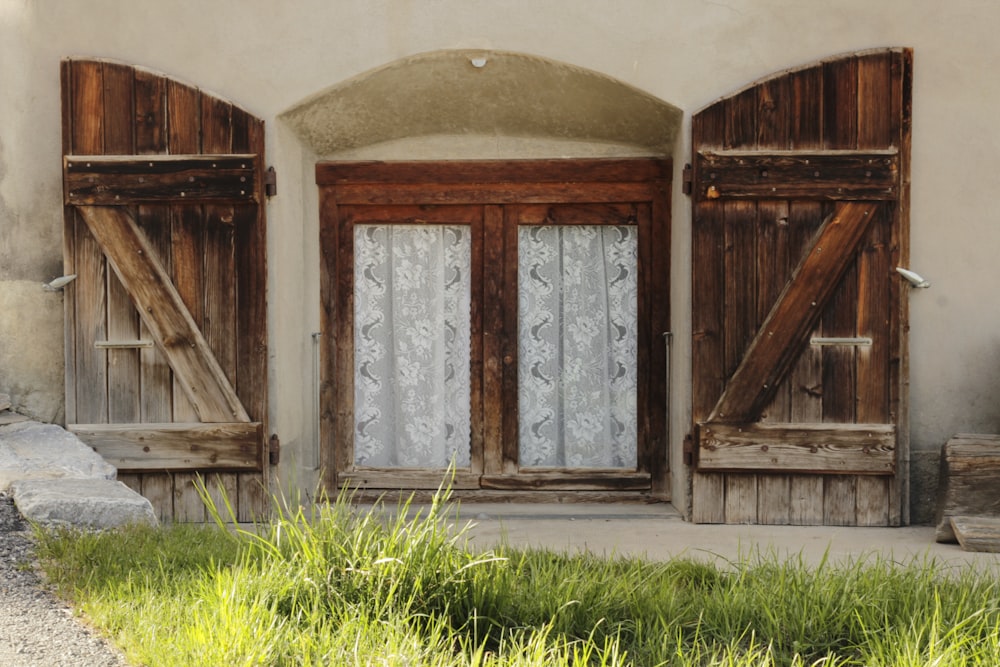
[[812, 448], [110, 180], [176, 446], [831, 175]]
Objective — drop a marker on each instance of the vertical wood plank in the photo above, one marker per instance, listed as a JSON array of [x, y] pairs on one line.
[[774, 500], [708, 493], [741, 499], [156, 400], [251, 314], [133, 482], [158, 488], [656, 277], [123, 321], [806, 500], [186, 250], [872, 501], [184, 136], [222, 490], [840, 500], [901, 77], [707, 342], [90, 285], [188, 507], [66, 75], [806, 379]]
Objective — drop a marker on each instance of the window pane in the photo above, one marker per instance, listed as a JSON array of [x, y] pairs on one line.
[[411, 345], [577, 321]]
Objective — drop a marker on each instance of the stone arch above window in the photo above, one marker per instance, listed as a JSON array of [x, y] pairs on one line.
[[470, 94]]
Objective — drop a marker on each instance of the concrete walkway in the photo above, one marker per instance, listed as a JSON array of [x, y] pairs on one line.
[[657, 532]]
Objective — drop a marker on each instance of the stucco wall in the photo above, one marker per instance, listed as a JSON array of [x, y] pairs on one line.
[[269, 56]]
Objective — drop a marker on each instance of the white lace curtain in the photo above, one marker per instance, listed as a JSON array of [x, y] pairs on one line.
[[577, 314], [577, 295], [411, 345]]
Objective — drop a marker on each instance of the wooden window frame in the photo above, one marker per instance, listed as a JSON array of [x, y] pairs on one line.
[[505, 192]]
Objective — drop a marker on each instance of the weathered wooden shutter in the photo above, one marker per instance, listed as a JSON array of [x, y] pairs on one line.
[[800, 186], [166, 359]]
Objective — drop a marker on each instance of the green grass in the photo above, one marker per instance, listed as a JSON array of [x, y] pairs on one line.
[[341, 587]]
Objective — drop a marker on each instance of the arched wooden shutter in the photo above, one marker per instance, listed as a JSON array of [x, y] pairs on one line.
[[800, 186], [166, 346]]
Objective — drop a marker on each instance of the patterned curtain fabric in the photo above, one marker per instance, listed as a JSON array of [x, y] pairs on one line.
[[411, 345], [577, 314]]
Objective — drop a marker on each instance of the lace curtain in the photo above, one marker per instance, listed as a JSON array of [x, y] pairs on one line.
[[577, 314], [411, 345]]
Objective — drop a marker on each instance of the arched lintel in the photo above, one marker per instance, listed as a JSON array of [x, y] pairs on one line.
[[470, 95]]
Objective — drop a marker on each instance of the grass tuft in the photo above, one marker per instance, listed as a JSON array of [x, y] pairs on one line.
[[336, 585]]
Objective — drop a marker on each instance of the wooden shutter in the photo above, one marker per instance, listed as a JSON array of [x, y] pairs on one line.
[[800, 186], [166, 359]]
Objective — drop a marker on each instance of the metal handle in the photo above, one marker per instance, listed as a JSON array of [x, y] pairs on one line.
[[914, 278]]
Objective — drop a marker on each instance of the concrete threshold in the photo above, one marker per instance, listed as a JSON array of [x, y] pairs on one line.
[[657, 532]]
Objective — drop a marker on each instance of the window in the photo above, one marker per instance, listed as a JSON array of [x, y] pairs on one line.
[[501, 318]]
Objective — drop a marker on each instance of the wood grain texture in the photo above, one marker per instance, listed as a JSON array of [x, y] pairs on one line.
[[977, 533], [841, 448], [165, 315], [175, 446], [112, 181], [772, 352], [969, 480]]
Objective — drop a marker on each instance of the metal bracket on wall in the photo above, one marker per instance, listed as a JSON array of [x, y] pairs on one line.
[[270, 182], [274, 450]]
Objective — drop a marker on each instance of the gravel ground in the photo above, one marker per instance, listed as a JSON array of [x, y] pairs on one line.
[[37, 629]]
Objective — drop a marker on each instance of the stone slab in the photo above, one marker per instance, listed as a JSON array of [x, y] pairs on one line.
[[83, 503], [32, 450]]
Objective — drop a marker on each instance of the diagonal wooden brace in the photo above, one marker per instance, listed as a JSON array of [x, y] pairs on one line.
[[781, 337], [163, 312]]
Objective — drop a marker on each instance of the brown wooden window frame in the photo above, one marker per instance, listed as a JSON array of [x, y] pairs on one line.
[[494, 198]]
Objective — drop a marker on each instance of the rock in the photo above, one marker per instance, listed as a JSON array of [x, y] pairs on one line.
[[4, 401], [31, 450], [84, 503]]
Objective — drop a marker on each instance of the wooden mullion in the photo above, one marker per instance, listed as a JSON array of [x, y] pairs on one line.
[[476, 346], [645, 338], [655, 280], [493, 336], [509, 408]]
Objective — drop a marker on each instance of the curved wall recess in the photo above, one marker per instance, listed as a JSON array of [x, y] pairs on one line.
[[469, 93]]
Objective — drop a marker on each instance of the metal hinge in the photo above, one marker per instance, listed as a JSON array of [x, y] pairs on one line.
[[274, 450], [270, 182], [687, 180], [688, 450]]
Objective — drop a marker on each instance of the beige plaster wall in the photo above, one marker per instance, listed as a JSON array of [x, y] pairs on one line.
[[270, 56]]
